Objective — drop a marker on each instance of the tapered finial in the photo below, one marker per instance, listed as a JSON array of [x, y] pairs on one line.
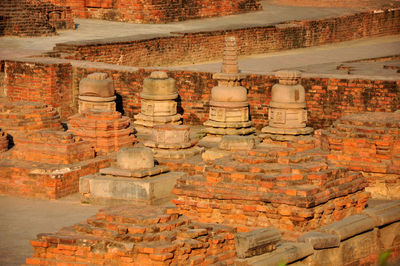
[[230, 60]]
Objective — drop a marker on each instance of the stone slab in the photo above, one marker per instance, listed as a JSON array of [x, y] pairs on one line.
[[256, 242], [350, 226], [384, 213], [150, 190], [320, 240], [285, 253], [139, 173]]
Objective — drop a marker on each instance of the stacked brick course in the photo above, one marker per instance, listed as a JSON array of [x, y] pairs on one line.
[[147, 11], [272, 186], [33, 18], [27, 116], [130, 235], [200, 46], [107, 131], [53, 147], [368, 143]]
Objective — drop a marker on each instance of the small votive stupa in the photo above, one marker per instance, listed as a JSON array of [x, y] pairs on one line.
[[135, 178], [287, 110], [159, 102], [98, 122], [229, 108]]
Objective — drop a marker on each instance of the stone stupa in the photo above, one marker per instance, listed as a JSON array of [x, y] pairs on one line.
[[159, 102], [287, 110], [229, 107]]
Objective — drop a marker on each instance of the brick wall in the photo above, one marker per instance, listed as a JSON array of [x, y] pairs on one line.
[[148, 11], [33, 18], [56, 82], [41, 81], [193, 47]]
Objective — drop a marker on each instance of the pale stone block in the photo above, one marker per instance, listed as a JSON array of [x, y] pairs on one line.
[[349, 226], [256, 242], [320, 240]]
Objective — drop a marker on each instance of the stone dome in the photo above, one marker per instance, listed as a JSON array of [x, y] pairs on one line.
[[97, 84], [159, 87], [229, 94]]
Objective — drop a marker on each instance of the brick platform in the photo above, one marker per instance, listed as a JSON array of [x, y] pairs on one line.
[[47, 164], [107, 131], [368, 143], [130, 235], [272, 186], [33, 18], [147, 11]]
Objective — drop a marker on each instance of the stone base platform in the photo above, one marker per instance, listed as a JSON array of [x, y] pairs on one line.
[[144, 123], [285, 134], [228, 128], [108, 189], [43, 180], [134, 235]]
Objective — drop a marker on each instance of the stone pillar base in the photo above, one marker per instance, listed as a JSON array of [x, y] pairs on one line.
[[173, 151], [146, 123]]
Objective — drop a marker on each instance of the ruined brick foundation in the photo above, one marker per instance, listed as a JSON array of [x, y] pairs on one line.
[[368, 143], [129, 235], [272, 186]]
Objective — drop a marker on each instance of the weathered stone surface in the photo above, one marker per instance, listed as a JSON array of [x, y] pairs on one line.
[[117, 189], [320, 240], [213, 154], [237, 143], [349, 226], [256, 242], [132, 158], [285, 253], [384, 213], [137, 173], [98, 85]]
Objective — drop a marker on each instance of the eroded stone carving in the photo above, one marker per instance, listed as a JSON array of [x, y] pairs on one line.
[[159, 105], [96, 91], [172, 141]]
